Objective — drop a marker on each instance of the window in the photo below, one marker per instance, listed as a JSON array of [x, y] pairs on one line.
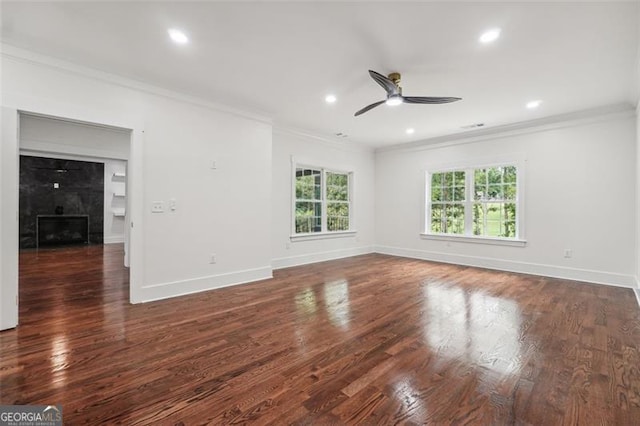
[[494, 202], [474, 202], [322, 201], [308, 200], [448, 202]]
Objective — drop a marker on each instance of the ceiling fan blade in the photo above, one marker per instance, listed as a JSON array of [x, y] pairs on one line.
[[388, 85], [368, 107], [428, 100]]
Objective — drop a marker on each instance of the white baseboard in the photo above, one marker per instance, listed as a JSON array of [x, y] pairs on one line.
[[113, 240], [286, 262], [180, 288], [591, 276], [160, 291]]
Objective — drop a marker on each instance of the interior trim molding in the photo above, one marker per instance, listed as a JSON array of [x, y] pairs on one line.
[[304, 259], [153, 292], [323, 235], [552, 271], [36, 148], [118, 239], [637, 293], [23, 55], [577, 118]]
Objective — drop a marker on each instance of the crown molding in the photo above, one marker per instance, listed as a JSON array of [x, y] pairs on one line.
[[577, 118], [8, 51], [341, 144], [557, 121]]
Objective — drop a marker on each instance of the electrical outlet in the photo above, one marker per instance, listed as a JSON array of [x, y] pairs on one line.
[[568, 253], [157, 207], [212, 258]]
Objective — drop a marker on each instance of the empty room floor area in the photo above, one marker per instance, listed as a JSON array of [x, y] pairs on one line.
[[370, 339]]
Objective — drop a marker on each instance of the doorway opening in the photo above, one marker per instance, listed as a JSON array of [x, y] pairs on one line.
[[73, 228]]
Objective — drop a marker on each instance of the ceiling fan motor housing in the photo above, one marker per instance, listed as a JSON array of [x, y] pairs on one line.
[[395, 77]]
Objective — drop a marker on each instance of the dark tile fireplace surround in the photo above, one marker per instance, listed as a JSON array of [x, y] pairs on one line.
[[61, 202]]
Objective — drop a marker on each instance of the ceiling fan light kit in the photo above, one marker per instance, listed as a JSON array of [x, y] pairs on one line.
[[391, 85], [394, 100]]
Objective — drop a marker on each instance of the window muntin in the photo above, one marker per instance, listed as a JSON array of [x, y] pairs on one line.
[[337, 196], [308, 210], [478, 202], [447, 202], [494, 207], [322, 201]]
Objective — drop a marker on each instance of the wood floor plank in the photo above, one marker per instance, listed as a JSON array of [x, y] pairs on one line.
[[371, 339]]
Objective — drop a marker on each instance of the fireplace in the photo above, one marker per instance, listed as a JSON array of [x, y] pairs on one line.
[[62, 229], [70, 189]]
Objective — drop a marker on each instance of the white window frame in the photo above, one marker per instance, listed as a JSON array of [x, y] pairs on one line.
[[325, 233], [469, 167]]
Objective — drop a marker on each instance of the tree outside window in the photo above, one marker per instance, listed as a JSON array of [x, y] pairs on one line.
[[474, 202], [323, 201]]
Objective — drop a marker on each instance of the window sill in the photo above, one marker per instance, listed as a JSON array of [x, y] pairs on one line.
[[476, 240], [322, 235]]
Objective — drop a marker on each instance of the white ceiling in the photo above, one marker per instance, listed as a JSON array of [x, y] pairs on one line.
[[283, 58]]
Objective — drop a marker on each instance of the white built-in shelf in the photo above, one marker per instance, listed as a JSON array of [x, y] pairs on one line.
[[118, 194], [119, 175], [118, 212]]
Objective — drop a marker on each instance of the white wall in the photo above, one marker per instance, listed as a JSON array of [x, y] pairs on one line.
[[637, 210], [316, 152], [637, 99], [8, 220], [114, 187], [224, 211], [579, 194], [637, 251]]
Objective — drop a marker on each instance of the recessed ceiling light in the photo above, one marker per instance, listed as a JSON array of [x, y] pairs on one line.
[[410, 131], [330, 99], [534, 104], [490, 35], [178, 36]]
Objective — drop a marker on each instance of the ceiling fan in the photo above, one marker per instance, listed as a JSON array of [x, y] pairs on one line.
[[391, 85]]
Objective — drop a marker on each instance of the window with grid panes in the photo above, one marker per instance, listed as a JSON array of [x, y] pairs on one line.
[[494, 201], [323, 201], [480, 202], [447, 202]]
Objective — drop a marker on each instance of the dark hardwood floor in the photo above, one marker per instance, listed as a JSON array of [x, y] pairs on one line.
[[371, 339]]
